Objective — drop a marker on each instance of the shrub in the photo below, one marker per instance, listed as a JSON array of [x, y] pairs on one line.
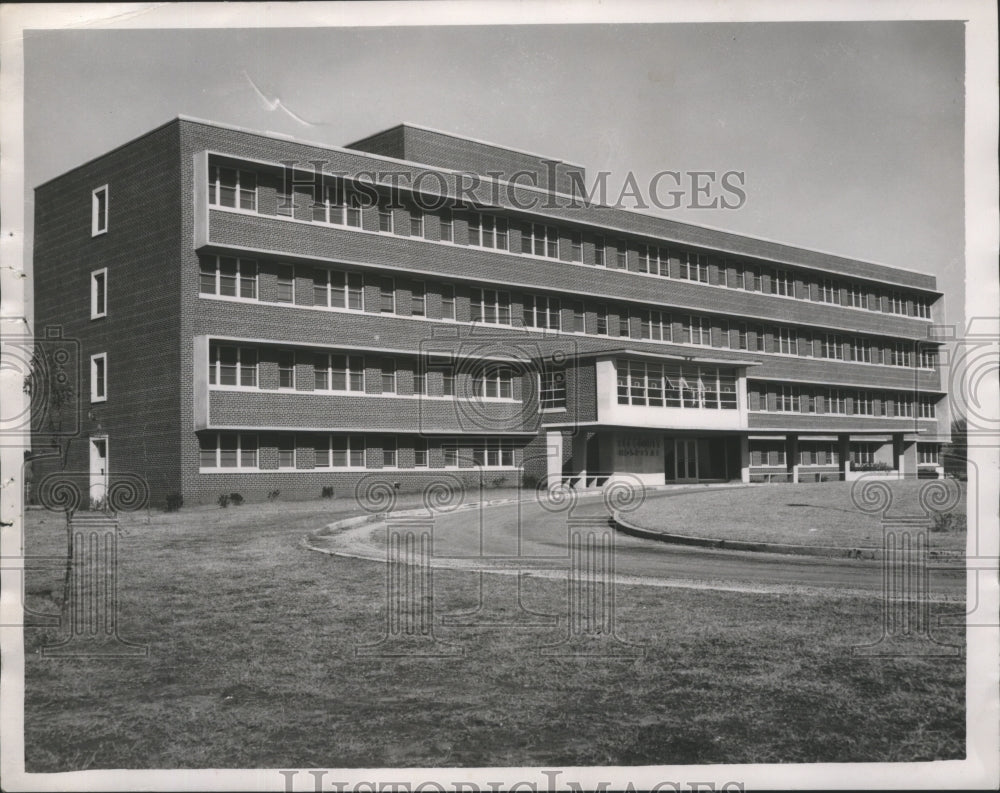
[[223, 500], [273, 495], [948, 521], [876, 466], [327, 491], [174, 502], [530, 481], [499, 481], [235, 499]]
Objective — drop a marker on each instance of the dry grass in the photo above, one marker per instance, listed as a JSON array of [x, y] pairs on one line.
[[802, 514], [252, 664]]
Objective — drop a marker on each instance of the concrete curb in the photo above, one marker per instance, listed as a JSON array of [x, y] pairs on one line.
[[626, 527]]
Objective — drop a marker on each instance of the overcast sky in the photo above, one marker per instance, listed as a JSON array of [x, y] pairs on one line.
[[850, 134]]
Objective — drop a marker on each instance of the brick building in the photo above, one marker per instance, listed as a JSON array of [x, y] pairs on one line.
[[256, 313]]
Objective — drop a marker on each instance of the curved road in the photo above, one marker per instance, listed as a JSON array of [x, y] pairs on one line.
[[526, 537]]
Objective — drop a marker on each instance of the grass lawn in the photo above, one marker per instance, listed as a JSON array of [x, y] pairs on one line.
[[252, 664], [801, 514]]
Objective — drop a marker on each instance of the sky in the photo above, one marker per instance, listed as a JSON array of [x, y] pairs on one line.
[[850, 134]]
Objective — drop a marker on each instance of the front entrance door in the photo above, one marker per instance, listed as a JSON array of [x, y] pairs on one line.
[[98, 468], [687, 459]]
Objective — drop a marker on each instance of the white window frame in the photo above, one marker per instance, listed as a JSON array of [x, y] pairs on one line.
[[499, 306], [694, 267], [786, 341], [99, 293], [448, 310], [215, 188], [494, 226], [782, 283], [383, 279], [99, 372], [350, 289], [215, 366], [417, 223], [600, 251], [99, 215], [278, 447], [418, 299], [835, 402], [388, 377], [540, 240], [420, 447], [385, 442], [240, 438], [928, 408], [498, 378], [282, 355], [354, 448], [215, 264], [542, 311], [552, 389], [656, 325], [353, 371]]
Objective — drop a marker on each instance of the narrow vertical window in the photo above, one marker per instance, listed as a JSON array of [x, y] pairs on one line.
[[600, 252], [416, 223], [286, 369], [99, 377], [99, 293], [387, 295], [286, 284], [388, 375], [99, 211], [447, 226], [418, 307], [447, 301]]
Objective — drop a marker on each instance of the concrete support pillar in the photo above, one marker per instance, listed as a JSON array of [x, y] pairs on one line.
[[745, 459], [554, 457], [792, 456], [844, 448], [905, 452]]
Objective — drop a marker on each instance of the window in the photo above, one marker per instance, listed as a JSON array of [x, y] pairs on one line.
[[286, 450], [818, 453], [902, 355], [897, 303], [388, 376], [621, 254], [385, 219], [927, 454], [694, 266], [600, 252], [602, 319], [653, 260], [99, 293], [863, 453], [420, 452], [416, 223], [904, 407], [751, 278], [829, 291], [286, 369], [227, 450], [743, 337], [833, 347], [447, 226], [575, 246], [228, 277], [286, 284], [490, 306], [447, 301], [99, 211], [450, 449], [337, 289], [338, 372], [487, 231], [230, 187], [286, 201], [857, 297], [928, 407], [860, 351], [232, 366], [541, 312], [387, 294], [928, 358], [540, 240], [786, 341], [624, 322], [99, 377], [347, 451], [418, 299], [836, 402], [863, 404], [493, 382], [448, 383], [787, 399], [339, 204], [492, 452], [552, 389], [782, 284], [419, 383], [656, 325], [389, 451], [697, 330], [767, 453], [579, 317], [673, 386], [923, 308]]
